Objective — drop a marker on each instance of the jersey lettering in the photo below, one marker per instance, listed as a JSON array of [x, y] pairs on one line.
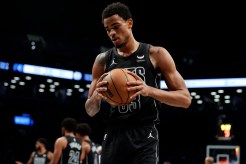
[[39, 160], [74, 157], [135, 104]]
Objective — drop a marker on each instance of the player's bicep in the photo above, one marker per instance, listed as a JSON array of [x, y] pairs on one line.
[[172, 77], [58, 147], [175, 81], [99, 65]]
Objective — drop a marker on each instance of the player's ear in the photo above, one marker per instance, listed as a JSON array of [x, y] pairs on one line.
[[130, 23]]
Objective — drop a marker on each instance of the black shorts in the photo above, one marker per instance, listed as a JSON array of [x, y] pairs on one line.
[[130, 146]]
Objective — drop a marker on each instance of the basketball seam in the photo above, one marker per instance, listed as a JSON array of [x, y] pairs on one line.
[[127, 91], [121, 102], [106, 95], [115, 88]]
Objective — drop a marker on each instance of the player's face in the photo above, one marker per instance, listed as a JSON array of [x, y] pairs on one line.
[[118, 29], [38, 146]]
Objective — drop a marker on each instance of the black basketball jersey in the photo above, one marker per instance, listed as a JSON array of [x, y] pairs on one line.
[[72, 153], [143, 110], [93, 157], [40, 158]]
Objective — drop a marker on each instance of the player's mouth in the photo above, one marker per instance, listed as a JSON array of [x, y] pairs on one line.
[[115, 40]]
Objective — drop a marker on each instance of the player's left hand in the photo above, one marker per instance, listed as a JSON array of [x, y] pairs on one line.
[[139, 86]]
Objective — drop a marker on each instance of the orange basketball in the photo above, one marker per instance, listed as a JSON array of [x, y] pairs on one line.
[[117, 93]]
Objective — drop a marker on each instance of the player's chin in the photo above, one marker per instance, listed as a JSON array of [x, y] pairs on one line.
[[117, 43]]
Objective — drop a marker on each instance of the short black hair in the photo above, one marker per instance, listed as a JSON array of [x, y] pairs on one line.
[[69, 124], [83, 129], [42, 141], [117, 8]]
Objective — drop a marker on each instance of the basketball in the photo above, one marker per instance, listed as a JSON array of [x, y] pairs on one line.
[[117, 93]]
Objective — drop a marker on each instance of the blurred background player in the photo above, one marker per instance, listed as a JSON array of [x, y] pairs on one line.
[[92, 150], [68, 148], [41, 155]]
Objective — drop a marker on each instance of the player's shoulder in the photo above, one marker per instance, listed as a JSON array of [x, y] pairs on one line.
[[157, 47], [33, 153], [103, 57], [61, 139], [155, 50], [105, 52], [49, 153]]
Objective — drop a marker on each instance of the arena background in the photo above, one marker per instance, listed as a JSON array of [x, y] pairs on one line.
[[207, 40]]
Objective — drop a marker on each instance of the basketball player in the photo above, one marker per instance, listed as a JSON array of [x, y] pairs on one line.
[[131, 136], [41, 155], [92, 150], [68, 148]]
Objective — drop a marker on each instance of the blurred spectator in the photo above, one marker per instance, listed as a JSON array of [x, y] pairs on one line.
[[41, 155]]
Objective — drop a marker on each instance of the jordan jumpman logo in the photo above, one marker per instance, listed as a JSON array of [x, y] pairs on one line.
[[150, 135]]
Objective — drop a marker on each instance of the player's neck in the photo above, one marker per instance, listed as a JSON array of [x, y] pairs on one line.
[[69, 134], [129, 48], [42, 151]]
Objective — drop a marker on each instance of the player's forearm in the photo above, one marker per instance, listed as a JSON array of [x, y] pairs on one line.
[[179, 98], [92, 106]]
